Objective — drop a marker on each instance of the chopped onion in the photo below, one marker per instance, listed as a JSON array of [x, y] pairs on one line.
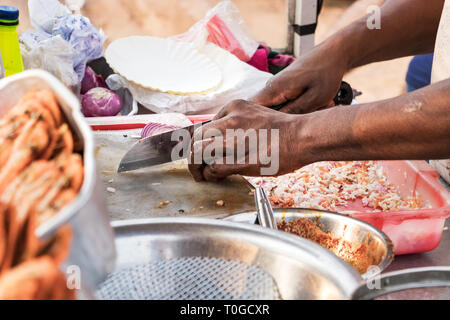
[[100, 102], [153, 129]]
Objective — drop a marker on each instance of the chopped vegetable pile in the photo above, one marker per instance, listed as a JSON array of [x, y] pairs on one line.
[[332, 185]]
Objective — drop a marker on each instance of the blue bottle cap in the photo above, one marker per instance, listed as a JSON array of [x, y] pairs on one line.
[[9, 14]]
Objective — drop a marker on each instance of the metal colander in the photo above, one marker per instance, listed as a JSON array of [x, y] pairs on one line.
[[190, 278], [204, 259]]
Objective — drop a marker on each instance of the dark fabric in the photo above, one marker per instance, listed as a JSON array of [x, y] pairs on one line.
[[268, 60], [419, 71]]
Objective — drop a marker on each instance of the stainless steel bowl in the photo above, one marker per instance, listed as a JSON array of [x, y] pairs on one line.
[[200, 259], [92, 249], [349, 229]]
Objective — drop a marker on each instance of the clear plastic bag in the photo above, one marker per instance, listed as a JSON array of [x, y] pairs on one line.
[[223, 26], [62, 43], [54, 55]]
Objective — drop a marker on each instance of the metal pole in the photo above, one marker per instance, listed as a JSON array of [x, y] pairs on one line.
[[291, 22], [305, 23]]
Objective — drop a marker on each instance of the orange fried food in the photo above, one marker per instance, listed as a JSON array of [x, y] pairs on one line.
[[61, 200], [23, 195], [28, 146], [8, 133], [36, 105], [74, 171], [34, 280], [47, 99], [39, 175], [3, 233], [58, 248], [64, 147]]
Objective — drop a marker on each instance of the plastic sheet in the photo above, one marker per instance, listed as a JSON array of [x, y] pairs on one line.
[[62, 43], [223, 26]]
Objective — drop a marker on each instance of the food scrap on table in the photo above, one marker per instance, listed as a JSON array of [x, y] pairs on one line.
[[220, 203], [332, 185], [111, 190]]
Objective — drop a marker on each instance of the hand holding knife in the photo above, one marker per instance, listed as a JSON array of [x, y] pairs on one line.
[[158, 149]]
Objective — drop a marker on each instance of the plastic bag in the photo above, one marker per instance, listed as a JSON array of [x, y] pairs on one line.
[[54, 24], [54, 55], [223, 25]]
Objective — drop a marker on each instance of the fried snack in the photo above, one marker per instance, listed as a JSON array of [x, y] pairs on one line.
[[2, 232], [7, 135], [74, 171], [64, 147], [58, 248], [61, 200], [23, 195], [9, 244], [34, 106], [27, 147], [34, 280], [39, 175], [47, 99]]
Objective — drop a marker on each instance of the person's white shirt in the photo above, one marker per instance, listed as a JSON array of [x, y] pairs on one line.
[[441, 71]]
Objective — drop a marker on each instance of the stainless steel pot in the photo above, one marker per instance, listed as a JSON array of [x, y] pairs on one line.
[[192, 258], [92, 248]]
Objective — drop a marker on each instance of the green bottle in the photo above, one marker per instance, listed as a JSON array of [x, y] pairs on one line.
[[9, 41]]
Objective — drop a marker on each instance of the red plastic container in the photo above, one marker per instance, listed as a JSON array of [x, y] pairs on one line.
[[411, 231]]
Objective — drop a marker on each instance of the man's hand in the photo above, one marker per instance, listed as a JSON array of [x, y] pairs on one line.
[[309, 84], [287, 150]]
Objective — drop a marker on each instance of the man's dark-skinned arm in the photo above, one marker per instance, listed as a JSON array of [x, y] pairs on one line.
[[408, 27], [413, 126]]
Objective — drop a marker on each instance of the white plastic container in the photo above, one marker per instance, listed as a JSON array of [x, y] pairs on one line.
[[93, 249]]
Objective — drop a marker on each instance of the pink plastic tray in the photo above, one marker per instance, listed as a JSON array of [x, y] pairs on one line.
[[411, 231]]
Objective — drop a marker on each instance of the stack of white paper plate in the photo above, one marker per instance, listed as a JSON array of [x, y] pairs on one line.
[[164, 65]]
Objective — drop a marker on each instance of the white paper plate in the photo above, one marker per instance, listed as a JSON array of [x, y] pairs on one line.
[[164, 65]]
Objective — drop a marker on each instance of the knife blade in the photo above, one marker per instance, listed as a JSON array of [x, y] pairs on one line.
[[159, 149]]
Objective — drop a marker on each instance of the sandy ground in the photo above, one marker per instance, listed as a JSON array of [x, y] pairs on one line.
[[266, 19]]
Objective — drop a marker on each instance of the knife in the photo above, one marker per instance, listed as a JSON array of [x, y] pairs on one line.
[[158, 149]]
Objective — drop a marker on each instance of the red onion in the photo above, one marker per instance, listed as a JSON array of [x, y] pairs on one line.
[[91, 80], [100, 102], [153, 129]]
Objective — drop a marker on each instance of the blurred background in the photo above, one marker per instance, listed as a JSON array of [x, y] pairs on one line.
[[267, 20]]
